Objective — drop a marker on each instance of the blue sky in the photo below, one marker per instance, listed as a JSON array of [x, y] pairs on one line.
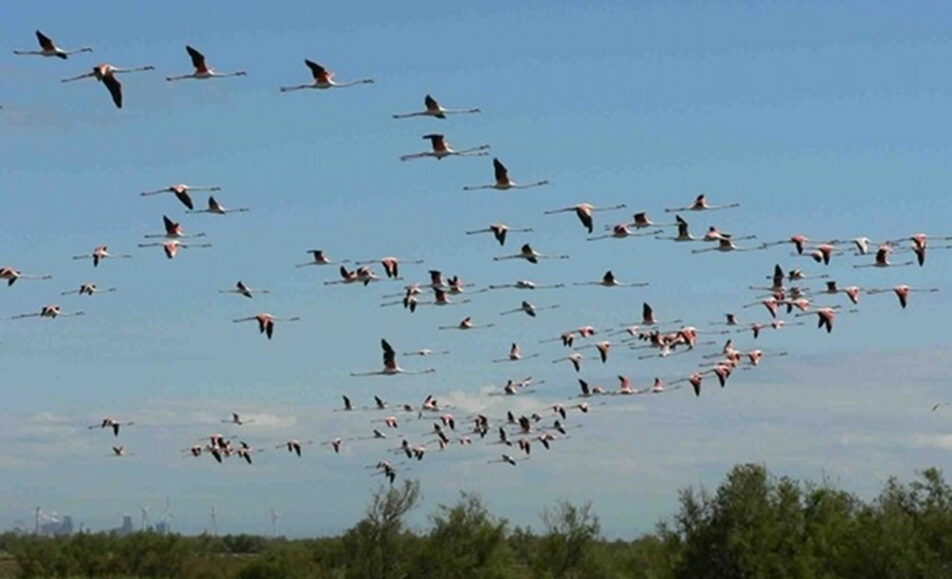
[[821, 119]]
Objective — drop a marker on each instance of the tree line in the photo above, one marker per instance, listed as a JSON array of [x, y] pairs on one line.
[[753, 525]]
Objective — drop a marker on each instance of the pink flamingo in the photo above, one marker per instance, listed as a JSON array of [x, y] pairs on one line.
[[100, 253], [202, 70], [266, 322], [12, 275], [173, 230], [467, 324], [88, 289], [48, 48], [181, 192], [902, 292], [584, 213], [433, 109], [503, 182], [441, 149], [106, 74], [530, 255], [50, 311], [216, 208], [244, 290], [499, 231], [172, 247], [323, 79], [390, 366], [701, 204], [318, 258], [608, 280]]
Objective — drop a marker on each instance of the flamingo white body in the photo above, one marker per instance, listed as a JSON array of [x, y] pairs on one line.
[[503, 182], [442, 149], [12, 275], [532, 256], [202, 70], [49, 49], [700, 204], [323, 79], [173, 230], [390, 366], [435, 110], [244, 290], [319, 258], [266, 322], [100, 253], [584, 213], [88, 289], [106, 74], [499, 231], [216, 208], [171, 248]]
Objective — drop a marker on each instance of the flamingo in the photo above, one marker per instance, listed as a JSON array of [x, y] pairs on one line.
[[120, 450], [173, 230], [50, 311], [608, 280], [236, 420], [822, 253], [527, 253], [171, 247], [294, 445], [323, 79], [684, 232], [725, 243], [106, 74], [575, 358], [825, 317], [88, 289], [641, 220], [467, 324], [515, 354], [770, 303], [12, 275], [526, 284], [506, 459], [882, 258], [701, 204], [442, 149], [390, 265], [433, 109], [694, 379], [108, 422], [902, 292], [242, 289], [360, 275], [919, 243], [390, 366], [499, 231], [318, 258], [216, 208], [266, 322], [100, 253], [529, 309], [202, 70], [622, 231], [584, 213], [799, 241], [503, 182], [48, 48], [181, 190], [603, 348]]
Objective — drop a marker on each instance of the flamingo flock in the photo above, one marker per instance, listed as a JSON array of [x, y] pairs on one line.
[[431, 425]]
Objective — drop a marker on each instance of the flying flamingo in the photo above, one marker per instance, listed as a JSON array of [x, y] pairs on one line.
[[641, 220], [466, 324], [202, 71], [50, 49], [426, 352], [180, 190], [919, 243], [433, 109], [584, 213], [506, 459], [684, 232], [770, 303], [236, 420], [822, 253], [527, 253], [526, 284], [100, 253], [360, 275], [120, 450], [515, 354], [902, 292], [725, 243], [603, 348], [503, 182], [882, 258], [390, 366], [575, 358], [799, 241], [608, 280], [106, 74], [390, 265], [173, 230], [216, 208], [108, 422], [323, 79], [499, 231], [12, 275], [825, 317], [171, 247], [701, 204], [87, 289], [529, 309], [694, 379], [266, 322], [294, 445], [442, 149], [622, 231], [319, 258], [242, 289]]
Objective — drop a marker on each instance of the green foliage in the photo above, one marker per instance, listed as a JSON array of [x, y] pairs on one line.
[[754, 525]]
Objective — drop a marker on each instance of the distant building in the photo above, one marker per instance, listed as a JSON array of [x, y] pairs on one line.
[[57, 528], [126, 527]]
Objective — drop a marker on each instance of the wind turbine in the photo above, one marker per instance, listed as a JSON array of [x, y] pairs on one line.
[[213, 514], [167, 516], [145, 517], [274, 522]]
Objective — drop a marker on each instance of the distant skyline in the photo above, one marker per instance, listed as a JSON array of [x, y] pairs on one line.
[[827, 120]]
